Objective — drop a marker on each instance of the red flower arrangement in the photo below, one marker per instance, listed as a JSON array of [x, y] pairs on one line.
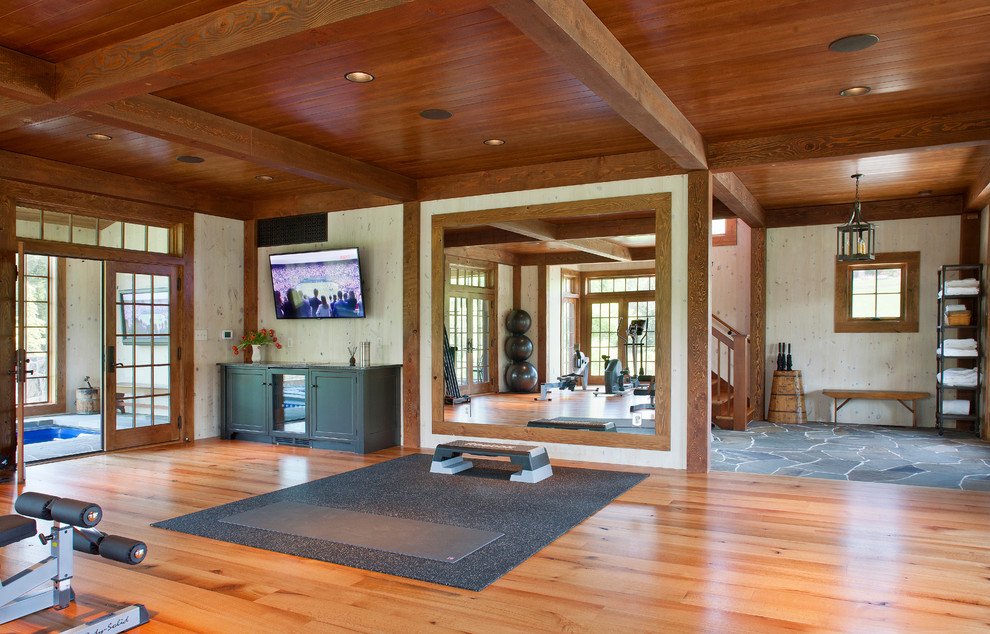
[[261, 337]]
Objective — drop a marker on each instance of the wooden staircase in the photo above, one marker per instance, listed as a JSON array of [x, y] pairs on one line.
[[730, 376]]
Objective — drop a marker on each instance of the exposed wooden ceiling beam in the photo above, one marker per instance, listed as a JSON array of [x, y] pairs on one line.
[[979, 192], [720, 211], [568, 258], [573, 35], [727, 187], [25, 78], [971, 128], [481, 236], [29, 169], [546, 232], [599, 228], [165, 119], [872, 211], [486, 254]]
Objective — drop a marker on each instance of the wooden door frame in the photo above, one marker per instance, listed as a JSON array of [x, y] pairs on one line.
[[490, 293]]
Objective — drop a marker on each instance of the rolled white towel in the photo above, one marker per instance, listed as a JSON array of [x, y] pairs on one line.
[[969, 281], [958, 377], [953, 352], [959, 344], [955, 406], [960, 290], [954, 308]]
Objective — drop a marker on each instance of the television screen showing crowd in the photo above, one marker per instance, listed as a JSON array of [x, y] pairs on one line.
[[317, 290]]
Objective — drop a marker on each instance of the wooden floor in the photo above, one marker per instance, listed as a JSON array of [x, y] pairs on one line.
[[680, 552]]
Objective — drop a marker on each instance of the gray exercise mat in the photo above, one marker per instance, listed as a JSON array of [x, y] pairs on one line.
[[440, 542]]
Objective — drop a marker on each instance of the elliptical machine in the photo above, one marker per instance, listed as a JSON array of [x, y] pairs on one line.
[[619, 381]]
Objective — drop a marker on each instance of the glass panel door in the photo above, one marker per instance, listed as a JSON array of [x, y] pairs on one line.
[[469, 332], [288, 394], [140, 355], [604, 324]]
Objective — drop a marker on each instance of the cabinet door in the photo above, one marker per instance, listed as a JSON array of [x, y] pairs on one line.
[[246, 400], [334, 399], [287, 389]]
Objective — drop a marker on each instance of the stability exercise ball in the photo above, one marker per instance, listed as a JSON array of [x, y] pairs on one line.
[[521, 376], [518, 347], [518, 321]]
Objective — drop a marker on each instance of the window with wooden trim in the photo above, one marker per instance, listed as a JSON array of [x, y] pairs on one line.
[[878, 296], [610, 302], [58, 226], [44, 331], [570, 287], [724, 232]]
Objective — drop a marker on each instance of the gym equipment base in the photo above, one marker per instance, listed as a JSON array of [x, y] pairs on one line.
[[448, 458]]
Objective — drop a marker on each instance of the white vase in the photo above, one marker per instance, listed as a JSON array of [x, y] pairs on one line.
[[258, 354]]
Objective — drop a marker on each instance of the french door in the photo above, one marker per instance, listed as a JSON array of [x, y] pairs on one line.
[[140, 401], [607, 321], [469, 329]]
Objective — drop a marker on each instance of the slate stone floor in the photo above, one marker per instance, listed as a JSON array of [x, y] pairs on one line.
[[862, 453]]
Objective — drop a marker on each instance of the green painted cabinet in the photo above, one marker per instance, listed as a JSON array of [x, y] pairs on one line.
[[327, 407]]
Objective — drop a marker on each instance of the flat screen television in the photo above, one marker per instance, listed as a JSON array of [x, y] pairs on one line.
[[317, 284]]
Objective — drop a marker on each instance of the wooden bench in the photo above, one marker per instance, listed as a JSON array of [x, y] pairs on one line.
[[448, 458], [882, 395]]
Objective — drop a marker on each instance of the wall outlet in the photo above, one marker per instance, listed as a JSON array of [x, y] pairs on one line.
[[226, 334], [288, 342], [201, 335]]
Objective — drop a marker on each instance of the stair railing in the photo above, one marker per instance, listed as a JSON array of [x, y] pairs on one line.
[[730, 364]]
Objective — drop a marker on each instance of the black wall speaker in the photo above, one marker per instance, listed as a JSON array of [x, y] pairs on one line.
[[275, 232]]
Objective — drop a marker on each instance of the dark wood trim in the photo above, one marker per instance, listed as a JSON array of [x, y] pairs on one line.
[[730, 190], [969, 238], [699, 397], [85, 182], [164, 119], [322, 202], [540, 319], [571, 33], [873, 211], [758, 319], [485, 254], [187, 272], [910, 262], [970, 128], [8, 282], [411, 231], [516, 286], [59, 358], [978, 196]]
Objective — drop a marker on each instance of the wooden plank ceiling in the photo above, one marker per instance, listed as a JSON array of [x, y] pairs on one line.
[[578, 90]]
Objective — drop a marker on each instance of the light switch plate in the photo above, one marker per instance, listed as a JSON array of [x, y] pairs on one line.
[[201, 335]]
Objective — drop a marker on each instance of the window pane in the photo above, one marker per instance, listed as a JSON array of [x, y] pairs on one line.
[[889, 281], [135, 237], [36, 339], [863, 306], [84, 230], [864, 282], [28, 223], [594, 286], [36, 314], [35, 264], [157, 239], [111, 234], [718, 227], [55, 226], [889, 305]]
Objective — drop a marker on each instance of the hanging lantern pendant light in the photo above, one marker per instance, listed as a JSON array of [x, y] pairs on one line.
[[855, 239]]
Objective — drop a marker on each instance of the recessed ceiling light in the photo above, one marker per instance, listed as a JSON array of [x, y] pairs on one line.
[[96, 136], [855, 91], [436, 114], [494, 142], [264, 177], [359, 77], [925, 192], [189, 159], [853, 43]]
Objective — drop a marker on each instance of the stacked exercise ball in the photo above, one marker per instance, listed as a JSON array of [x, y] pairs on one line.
[[520, 375]]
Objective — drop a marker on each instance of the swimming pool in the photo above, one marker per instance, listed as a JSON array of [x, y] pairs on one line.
[[44, 434]]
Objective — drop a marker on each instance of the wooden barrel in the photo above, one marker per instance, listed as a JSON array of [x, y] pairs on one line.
[[88, 400], [786, 398]]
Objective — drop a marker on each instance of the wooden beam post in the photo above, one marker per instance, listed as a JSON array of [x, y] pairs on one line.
[[411, 230], [758, 319], [730, 190], [8, 282], [699, 321]]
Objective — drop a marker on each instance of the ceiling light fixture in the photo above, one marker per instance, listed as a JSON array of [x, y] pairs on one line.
[[97, 136], [855, 91], [853, 43], [264, 177], [494, 142], [359, 77], [189, 159], [855, 239], [436, 114]]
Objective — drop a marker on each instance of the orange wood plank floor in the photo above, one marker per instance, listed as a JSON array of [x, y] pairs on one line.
[[680, 552]]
